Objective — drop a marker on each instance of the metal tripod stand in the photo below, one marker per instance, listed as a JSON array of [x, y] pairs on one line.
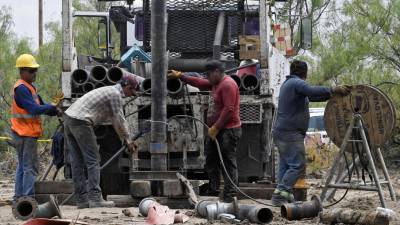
[[356, 127]]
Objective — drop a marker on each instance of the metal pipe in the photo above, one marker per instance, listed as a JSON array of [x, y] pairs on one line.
[[385, 172], [237, 80], [254, 213], [250, 82], [241, 67], [158, 146], [145, 205], [114, 74], [175, 87], [301, 210], [218, 35], [80, 76], [88, 86], [27, 207], [187, 65], [98, 73], [353, 187]]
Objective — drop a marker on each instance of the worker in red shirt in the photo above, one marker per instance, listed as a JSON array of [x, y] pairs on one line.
[[224, 122]]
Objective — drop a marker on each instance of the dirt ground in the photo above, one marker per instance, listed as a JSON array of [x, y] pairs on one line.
[[113, 216]]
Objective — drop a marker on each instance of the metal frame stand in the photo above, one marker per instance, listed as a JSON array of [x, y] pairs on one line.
[[356, 126]]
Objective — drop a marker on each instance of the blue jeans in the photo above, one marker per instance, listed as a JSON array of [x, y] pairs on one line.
[[27, 167], [292, 163], [84, 153]]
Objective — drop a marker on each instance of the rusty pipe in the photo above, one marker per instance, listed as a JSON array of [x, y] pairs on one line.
[[250, 82], [80, 76], [98, 73], [350, 216], [301, 210]]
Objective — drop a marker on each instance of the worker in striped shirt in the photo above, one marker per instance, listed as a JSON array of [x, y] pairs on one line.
[[100, 106]]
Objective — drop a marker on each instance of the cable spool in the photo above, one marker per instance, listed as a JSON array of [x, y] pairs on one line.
[[374, 106]]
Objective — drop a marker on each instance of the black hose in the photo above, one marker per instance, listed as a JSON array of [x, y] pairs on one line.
[[222, 161], [349, 174]]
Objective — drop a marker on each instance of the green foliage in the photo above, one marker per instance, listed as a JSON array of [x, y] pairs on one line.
[[86, 30], [363, 49], [10, 47]]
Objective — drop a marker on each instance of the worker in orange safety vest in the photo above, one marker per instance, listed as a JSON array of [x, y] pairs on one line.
[[26, 125]]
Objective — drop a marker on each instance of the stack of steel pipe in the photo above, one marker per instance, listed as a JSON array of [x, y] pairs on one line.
[[85, 81], [248, 77], [99, 76]]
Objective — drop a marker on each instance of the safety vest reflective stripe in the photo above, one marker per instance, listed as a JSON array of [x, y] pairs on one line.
[[25, 116]]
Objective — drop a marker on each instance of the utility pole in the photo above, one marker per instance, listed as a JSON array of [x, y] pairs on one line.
[[40, 23]]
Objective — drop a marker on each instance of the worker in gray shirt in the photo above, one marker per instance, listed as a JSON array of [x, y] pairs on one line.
[[291, 126], [102, 105]]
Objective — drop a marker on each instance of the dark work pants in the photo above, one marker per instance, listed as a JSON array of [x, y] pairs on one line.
[[228, 140], [84, 152]]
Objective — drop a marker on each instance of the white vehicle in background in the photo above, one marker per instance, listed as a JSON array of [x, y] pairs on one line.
[[316, 127]]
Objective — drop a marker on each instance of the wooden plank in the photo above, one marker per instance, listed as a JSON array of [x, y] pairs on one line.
[[54, 187]]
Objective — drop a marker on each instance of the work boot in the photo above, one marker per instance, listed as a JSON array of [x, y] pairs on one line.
[[101, 203], [280, 197], [82, 201], [82, 205], [228, 198]]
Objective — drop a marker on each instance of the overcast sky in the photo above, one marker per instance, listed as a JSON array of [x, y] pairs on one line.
[[25, 16]]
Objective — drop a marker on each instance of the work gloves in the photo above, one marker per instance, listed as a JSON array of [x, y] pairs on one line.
[[213, 132], [173, 74], [341, 90], [57, 98], [131, 146]]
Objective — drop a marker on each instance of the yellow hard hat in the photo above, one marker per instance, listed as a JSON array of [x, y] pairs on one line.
[[26, 61]]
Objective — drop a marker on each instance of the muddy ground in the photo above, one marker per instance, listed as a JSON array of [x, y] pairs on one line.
[[113, 216]]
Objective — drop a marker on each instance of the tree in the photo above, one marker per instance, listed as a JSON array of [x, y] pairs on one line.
[[362, 49], [293, 10]]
